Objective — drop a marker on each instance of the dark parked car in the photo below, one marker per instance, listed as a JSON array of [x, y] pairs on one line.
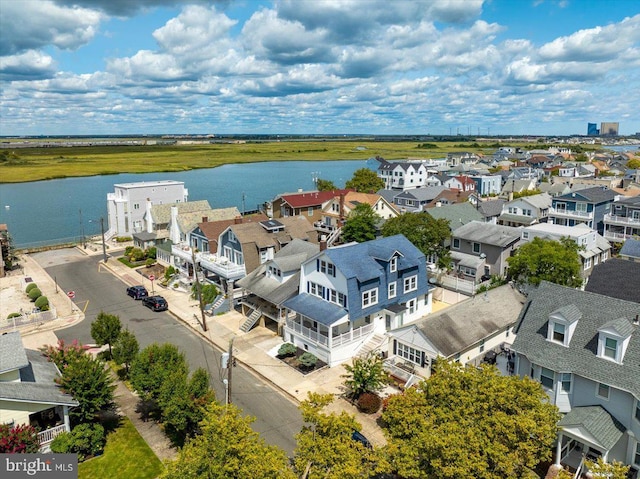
[[361, 438], [156, 303], [137, 292]]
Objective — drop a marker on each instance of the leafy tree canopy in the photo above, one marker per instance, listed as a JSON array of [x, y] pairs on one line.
[[125, 349], [360, 224], [549, 260], [153, 366], [325, 448], [523, 193], [424, 231], [609, 470], [365, 374], [227, 448], [106, 329], [469, 422], [634, 164], [209, 293], [325, 185], [365, 180]]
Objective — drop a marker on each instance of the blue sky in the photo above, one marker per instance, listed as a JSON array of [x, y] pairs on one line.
[[539, 67]]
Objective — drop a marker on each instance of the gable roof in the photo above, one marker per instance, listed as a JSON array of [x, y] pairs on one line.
[[594, 194], [161, 214], [491, 208], [541, 201], [631, 248], [294, 227], [596, 421], [12, 355], [579, 357], [358, 260], [422, 194], [213, 229], [488, 233], [616, 278], [457, 214], [464, 324], [306, 199]]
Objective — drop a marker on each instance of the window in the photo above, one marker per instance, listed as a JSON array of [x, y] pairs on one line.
[[310, 211], [370, 297], [410, 284], [565, 380], [525, 235], [136, 206], [638, 409], [393, 264], [412, 306], [602, 391], [476, 247], [316, 289], [587, 263], [392, 290], [482, 346], [636, 458], [327, 268], [456, 243], [582, 207], [558, 332], [231, 236], [408, 353], [547, 377], [610, 348]]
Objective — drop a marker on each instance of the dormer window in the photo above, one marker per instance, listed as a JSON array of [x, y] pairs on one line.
[[613, 338], [610, 348], [562, 324], [559, 332], [393, 264]]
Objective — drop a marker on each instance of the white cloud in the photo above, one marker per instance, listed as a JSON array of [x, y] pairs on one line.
[[29, 65]]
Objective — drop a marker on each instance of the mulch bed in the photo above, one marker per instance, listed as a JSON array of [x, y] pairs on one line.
[[156, 270], [294, 363]]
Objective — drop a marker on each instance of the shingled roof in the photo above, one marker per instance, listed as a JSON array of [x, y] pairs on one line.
[[617, 278], [580, 356]]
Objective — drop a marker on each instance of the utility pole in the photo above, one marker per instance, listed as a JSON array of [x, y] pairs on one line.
[[230, 366], [198, 288], [104, 246], [84, 243]]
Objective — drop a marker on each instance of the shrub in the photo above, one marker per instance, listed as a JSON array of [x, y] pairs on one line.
[[85, 440], [151, 252], [170, 271], [308, 360], [150, 262], [287, 350], [34, 294], [22, 438], [128, 250], [13, 315], [137, 254], [29, 287], [123, 239], [43, 303], [369, 403]]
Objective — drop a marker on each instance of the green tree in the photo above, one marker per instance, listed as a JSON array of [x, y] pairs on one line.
[[365, 180], [424, 231], [634, 164], [22, 438], [125, 349], [365, 374], [62, 354], [227, 448], [209, 293], [34, 294], [360, 224], [155, 365], [106, 329], [325, 185], [610, 470], [549, 260], [469, 422], [89, 382], [325, 448]]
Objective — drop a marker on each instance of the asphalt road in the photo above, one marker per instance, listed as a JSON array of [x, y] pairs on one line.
[[96, 289]]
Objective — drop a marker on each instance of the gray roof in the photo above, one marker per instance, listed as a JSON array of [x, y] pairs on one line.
[[37, 376], [580, 356], [388, 195], [461, 326], [631, 248], [541, 201], [161, 214], [617, 278], [488, 233], [427, 193], [554, 189], [457, 213], [621, 325], [315, 308], [144, 236], [594, 194], [12, 355], [596, 421], [491, 208]]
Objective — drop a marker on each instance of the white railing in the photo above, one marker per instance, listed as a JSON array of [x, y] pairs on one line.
[[307, 332], [579, 214], [616, 236], [222, 266], [623, 220], [325, 228], [50, 434], [183, 252], [29, 319], [351, 335]]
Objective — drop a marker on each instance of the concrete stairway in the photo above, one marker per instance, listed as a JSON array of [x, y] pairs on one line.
[[372, 345], [251, 320]]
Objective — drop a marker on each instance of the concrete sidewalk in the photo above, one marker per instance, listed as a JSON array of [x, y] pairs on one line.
[[256, 349]]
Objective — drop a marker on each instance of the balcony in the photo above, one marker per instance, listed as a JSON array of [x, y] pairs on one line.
[[183, 251], [320, 226], [564, 213], [621, 220], [617, 237], [222, 266]]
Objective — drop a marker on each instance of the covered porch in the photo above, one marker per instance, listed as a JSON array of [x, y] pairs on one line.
[[50, 423]]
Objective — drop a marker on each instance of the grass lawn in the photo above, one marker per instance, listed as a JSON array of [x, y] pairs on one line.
[[126, 456]]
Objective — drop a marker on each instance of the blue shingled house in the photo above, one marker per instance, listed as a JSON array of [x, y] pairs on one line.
[[351, 294], [586, 206]]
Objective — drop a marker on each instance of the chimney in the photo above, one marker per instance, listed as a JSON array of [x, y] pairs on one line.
[[148, 215], [323, 242], [636, 320], [341, 221], [205, 219], [237, 220]]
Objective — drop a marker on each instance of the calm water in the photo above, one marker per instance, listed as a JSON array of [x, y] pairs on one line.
[[49, 212]]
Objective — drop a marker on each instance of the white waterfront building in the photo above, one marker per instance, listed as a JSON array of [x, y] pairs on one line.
[[126, 206]]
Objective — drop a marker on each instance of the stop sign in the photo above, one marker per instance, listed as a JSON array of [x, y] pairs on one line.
[[151, 277], [71, 294]]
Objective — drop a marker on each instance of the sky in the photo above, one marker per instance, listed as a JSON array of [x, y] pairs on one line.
[[385, 67]]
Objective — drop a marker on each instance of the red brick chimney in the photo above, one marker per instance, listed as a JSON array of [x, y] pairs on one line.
[[323, 243], [237, 220], [205, 219]]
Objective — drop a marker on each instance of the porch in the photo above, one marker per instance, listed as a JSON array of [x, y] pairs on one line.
[[50, 422], [221, 266]]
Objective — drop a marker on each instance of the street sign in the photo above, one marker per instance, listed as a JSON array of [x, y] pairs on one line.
[[151, 277], [71, 294]]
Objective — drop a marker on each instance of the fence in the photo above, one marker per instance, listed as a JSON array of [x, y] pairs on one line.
[[28, 319]]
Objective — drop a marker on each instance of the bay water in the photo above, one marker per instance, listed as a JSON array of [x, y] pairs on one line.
[[48, 212]]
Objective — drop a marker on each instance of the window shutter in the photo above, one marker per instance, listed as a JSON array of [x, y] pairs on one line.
[[317, 264], [422, 358], [395, 347], [308, 287]]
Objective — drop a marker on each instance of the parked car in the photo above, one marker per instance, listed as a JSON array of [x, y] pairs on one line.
[[361, 438], [156, 303], [137, 292]]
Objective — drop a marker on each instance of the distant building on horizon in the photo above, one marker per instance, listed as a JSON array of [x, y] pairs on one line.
[[592, 129], [609, 128]]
